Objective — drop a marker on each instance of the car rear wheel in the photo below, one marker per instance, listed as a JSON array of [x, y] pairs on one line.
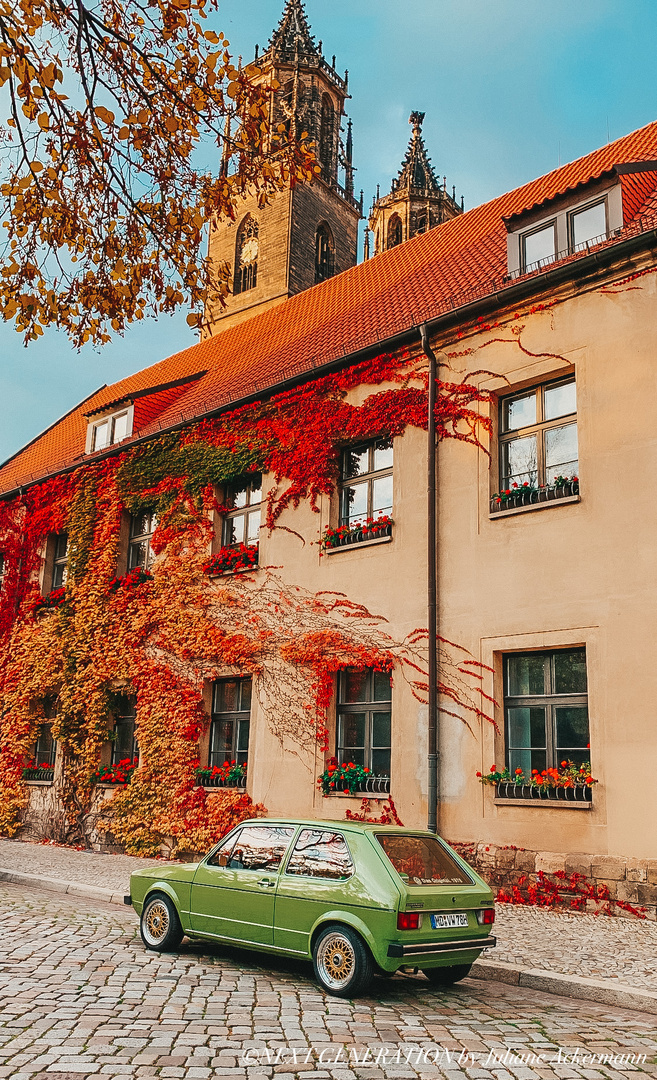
[[343, 963], [159, 925], [447, 976]]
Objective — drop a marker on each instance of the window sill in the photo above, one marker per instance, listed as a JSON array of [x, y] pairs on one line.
[[39, 783], [231, 573], [494, 515], [357, 545], [545, 804]]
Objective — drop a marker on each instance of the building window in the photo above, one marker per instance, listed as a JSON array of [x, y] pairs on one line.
[[45, 748], [60, 561], [326, 136], [364, 703], [366, 482], [587, 224], [394, 231], [246, 256], [242, 525], [539, 247], [140, 552], [110, 430], [538, 435], [231, 714], [324, 254], [124, 744], [546, 709]]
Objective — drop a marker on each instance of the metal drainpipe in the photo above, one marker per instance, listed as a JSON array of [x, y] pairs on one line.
[[432, 590]]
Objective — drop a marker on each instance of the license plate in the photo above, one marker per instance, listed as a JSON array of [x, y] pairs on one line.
[[442, 922]]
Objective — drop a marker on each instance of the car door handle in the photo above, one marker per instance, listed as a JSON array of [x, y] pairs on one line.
[[265, 883]]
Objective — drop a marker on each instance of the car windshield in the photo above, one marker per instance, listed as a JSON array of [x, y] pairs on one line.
[[422, 860]]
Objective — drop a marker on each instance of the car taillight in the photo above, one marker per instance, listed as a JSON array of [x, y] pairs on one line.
[[486, 916], [408, 920]]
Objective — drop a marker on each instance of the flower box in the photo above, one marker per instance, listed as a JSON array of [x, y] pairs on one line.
[[228, 775], [526, 495], [508, 790], [346, 535], [232, 559], [45, 775], [373, 785], [220, 782]]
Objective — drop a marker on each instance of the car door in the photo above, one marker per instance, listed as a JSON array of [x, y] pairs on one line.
[[233, 890], [316, 880]]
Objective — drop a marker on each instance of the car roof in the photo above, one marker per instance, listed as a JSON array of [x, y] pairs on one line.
[[328, 823]]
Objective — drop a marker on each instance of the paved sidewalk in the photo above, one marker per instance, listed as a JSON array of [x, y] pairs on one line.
[[611, 960]]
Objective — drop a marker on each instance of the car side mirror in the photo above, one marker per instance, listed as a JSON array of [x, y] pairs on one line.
[[223, 860]]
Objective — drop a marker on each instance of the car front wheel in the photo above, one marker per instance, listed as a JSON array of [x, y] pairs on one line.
[[159, 925], [343, 963], [447, 976]]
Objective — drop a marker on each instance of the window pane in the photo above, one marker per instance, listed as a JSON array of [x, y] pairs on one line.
[[351, 733], [235, 528], [383, 455], [519, 461], [253, 532], [355, 685], [223, 851], [245, 702], [354, 503], [526, 727], [140, 525], [60, 575], [380, 763], [519, 412], [124, 741], [561, 452], [242, 740], [539, 246], [355, 462], [570, 672], [221, 741], [120, 427], [381, 730], [240, 499], [255, 492], [572, 728], [526, 675], [589, 224], [139, 555], [382, 495], [527, 760], [101, 436], [226, 696], [382, 686], [61, 546], [260, 847], [560, 400], [44, 753], [320, 854]]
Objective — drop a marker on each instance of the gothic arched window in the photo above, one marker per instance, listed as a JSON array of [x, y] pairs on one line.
[[326, 135], [394, 231], [324, 254], [246, 256]]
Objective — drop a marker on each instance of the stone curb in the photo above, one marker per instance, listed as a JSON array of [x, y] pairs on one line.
[[603, 991], [72, 888]]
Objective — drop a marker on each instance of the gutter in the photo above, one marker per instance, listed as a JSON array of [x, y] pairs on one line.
[[506, 295]]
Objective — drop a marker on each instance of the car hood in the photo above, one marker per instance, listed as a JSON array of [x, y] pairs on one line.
[[175, 872]]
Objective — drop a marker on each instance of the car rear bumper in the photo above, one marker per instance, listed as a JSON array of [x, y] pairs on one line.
[[430, 948]]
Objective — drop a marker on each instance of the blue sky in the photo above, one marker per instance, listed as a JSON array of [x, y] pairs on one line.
[[511, 88]]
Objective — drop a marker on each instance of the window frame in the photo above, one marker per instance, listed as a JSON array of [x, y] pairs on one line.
[[324, 253], [111, 420], [538, 428], [120, 717], [572, 214], [135, 540], [368, 477], [51, 753], [549, 700], [60, 561], [345, 708], [538, 264], [245, 511], [245, 277], [239, 718]]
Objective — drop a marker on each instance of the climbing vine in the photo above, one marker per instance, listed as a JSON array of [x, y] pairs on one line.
[[161, 636]]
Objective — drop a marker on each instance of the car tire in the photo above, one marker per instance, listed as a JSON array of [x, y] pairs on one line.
[[447, 976], [159, 925], [342, 961]]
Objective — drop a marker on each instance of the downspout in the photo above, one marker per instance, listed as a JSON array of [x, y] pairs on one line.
[[432, 591]]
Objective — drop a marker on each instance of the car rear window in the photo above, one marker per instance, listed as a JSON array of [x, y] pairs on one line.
[[421, 860]]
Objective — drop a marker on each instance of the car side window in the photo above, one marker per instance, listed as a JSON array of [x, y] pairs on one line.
[[320, 854], [221, 855], [257, 847]]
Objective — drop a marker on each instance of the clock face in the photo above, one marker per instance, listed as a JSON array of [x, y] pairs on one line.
[[249, 252]]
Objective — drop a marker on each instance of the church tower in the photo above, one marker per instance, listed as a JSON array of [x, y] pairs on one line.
[[307, 233], [417, 200]]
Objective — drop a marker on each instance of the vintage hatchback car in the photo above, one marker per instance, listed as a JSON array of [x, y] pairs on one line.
[[352, 897]]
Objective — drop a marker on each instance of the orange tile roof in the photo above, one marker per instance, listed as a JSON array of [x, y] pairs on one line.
[[387, 295]]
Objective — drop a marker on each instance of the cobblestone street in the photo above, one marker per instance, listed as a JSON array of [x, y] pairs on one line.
[[80, 996]]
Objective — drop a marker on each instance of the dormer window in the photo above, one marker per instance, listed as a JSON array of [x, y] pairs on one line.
[[540, 246], [108, 430], [587, 224]]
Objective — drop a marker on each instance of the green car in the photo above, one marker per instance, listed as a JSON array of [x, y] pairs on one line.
[[355, 898]]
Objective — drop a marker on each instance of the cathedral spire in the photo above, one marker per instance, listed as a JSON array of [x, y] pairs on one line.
[[292, 39], [417, 170]]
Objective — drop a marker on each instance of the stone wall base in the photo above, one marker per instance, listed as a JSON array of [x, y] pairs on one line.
[[628, 881]]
